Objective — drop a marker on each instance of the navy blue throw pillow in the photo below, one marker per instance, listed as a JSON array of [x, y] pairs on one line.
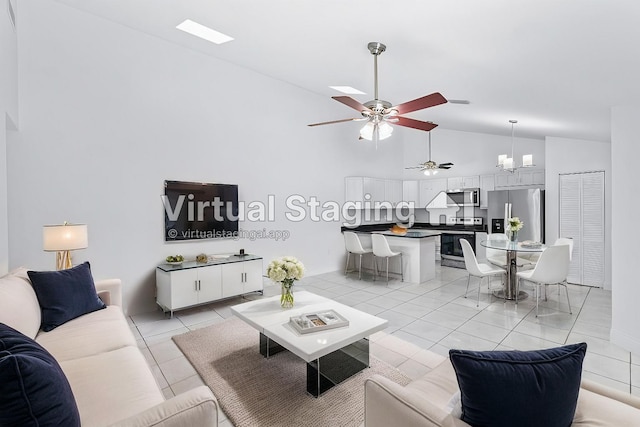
[[64, 295], [33, 388], [523, 388]]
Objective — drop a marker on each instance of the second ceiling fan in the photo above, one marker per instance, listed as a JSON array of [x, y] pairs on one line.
[[380, 114], [430, 167]]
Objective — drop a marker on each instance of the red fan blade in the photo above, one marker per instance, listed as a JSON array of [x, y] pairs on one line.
[[416, 124], [418, 104], [350, 102], [337, 121]]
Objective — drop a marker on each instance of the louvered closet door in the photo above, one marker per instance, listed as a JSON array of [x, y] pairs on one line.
[[582, 218], [570, 222], [593, 229]]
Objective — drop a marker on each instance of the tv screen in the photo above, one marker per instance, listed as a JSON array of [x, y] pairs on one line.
[[194, 211]]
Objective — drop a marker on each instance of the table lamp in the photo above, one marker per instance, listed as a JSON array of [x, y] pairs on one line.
[[62, 239]]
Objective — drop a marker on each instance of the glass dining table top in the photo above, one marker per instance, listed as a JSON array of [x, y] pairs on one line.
[[507, 245]]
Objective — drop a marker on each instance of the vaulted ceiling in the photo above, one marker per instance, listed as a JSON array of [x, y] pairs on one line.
[[557, 66]]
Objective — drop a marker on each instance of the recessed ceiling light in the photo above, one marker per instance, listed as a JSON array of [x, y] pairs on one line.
[[348, 90], [203, 32]]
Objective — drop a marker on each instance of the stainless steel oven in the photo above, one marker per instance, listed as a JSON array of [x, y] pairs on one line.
[[450, 247]]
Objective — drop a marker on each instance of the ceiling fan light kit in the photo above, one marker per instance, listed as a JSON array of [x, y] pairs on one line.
[[506, 163], [379, 114]]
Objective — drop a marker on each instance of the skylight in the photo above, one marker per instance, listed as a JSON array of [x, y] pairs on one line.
[[203, 32], [348, 90]]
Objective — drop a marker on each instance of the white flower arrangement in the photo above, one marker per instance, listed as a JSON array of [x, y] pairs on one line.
[[514, 224], [285, 270]]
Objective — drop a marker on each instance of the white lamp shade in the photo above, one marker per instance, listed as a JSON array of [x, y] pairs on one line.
[[527, 160], [67, 237], [384, 131], [508, 163]]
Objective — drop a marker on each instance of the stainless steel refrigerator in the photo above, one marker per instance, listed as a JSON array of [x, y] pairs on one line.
[[528, 205]]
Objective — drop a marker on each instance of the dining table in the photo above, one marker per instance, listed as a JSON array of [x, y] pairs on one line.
[[512, 249]]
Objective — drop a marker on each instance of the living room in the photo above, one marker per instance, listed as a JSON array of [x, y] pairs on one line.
[[99, 115]]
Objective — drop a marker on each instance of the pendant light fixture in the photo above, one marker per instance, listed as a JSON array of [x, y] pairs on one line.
[[506, 163]]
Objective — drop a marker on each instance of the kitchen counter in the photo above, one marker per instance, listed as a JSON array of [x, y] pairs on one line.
[[411, 233], [418, 249], [418, 226]]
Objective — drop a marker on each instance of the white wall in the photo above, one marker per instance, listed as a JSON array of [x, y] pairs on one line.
[[625, 148], [571, 156], [8, 121], [108, 113]]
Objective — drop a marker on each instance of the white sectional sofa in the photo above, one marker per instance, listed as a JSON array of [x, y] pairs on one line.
[[424, 402], [109, 376]]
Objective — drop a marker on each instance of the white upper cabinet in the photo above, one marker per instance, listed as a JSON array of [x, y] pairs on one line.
[[354, 189], [411, 192], [393, 191], [374, 187], [521, 177], [379, 190], [458, 182], [433, 193], [487, 183]]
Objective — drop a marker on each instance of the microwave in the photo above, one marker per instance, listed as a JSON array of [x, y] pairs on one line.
[[463, 197]]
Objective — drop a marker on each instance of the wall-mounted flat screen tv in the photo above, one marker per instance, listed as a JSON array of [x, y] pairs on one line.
[[195, 211]]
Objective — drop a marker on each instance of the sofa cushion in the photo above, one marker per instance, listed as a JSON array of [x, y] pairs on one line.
[[34, 390], [112, 386], [19, 306], [64, 295], [507, 388], [93, 333]]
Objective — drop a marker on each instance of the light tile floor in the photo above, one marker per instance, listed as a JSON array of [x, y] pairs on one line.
[[433, 316]]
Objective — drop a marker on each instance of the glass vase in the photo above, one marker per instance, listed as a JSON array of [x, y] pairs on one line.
[[513, 236], [286, 298]]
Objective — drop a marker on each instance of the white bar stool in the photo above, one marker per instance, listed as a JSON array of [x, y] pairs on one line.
[[354, 246], [381, 249]]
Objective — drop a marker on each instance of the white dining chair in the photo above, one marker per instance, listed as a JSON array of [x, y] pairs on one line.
[[560, 241], [381, 249], [552, 269], [478, 270], [354, 246]]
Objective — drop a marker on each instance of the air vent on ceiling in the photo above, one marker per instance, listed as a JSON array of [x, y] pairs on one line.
[[12, 14]]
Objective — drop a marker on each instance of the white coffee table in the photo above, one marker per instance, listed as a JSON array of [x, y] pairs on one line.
[[332, 355]]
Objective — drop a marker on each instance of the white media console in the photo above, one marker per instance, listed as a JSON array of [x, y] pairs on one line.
[[192, 283]]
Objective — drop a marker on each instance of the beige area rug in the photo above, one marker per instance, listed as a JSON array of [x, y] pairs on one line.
[[254, 391]]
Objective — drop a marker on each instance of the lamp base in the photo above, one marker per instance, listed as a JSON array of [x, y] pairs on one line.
[[63, 260]]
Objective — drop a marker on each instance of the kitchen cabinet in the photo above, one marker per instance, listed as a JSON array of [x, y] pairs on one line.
[[456, 183], [194, 283], [354, 189], [410, 192], [378, 190], [393, 191], [433, 193], [374, 187], [521, 177], [487, 183]]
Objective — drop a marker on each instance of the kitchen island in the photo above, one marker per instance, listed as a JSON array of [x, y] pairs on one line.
[[418, 249]]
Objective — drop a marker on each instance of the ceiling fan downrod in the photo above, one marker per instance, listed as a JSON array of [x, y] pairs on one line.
[[376, 48]]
